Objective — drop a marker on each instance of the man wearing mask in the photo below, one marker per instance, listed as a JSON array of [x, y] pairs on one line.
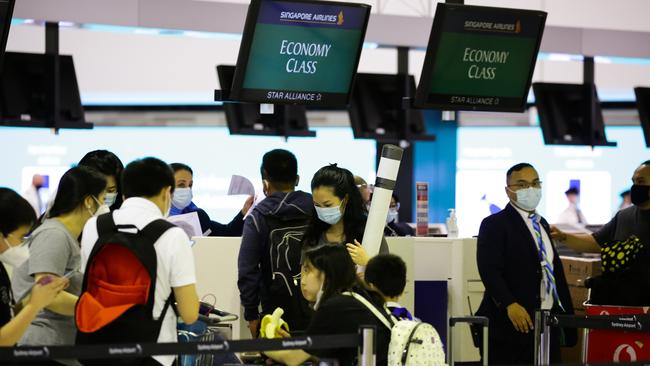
[[521, 271], [283, 204], [182, 204], [634, 220], [627, 284]]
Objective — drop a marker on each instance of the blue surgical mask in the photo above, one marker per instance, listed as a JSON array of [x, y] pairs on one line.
[[109, 199], [182, 198], [329, 215], [392, 215]]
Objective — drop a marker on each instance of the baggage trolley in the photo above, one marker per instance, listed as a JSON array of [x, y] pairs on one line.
[[476, 323]]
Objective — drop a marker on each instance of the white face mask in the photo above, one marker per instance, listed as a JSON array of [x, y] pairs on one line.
[[392, 215], [101, 208], [529, 198], [14, 255], [329, 215], [182, 198], [109, 199]]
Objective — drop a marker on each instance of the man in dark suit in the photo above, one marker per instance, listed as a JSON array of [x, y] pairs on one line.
[[521, 271]]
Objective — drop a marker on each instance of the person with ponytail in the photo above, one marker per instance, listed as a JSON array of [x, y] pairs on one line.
[[342, 304], [54, 253], [341, 213]]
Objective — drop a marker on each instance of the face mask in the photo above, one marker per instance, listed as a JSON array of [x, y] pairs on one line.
[[101, 209], [640, 194], [14, 256], [329, 215], [528, 199], [109, 199], [182, 198], [392, 215]]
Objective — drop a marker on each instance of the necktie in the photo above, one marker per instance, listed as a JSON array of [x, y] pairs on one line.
[[579, 215], [548, 270]]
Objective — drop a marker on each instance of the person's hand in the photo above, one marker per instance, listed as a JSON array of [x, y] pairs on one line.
[[254, 326], [557, 234], [520, 318], [358, 253], [247, 205], [43, 295]]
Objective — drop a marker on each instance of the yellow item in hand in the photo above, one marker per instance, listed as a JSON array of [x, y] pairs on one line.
[[272, 323]]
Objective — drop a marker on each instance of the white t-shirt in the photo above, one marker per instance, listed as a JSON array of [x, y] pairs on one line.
[[173, 252], [547, 299]]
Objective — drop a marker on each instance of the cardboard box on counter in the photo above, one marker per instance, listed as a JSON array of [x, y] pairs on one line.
[[577, 269]]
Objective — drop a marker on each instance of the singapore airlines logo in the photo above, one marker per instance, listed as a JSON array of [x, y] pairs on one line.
[[484, 26], [299, 17]]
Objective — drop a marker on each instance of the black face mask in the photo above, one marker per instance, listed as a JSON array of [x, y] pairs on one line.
[[640, 194]]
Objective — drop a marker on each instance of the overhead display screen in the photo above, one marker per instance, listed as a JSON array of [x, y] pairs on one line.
[[480, 58], [299, 52]]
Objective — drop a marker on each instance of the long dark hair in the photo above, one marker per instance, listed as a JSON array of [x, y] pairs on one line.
[[109, 164], [75, 185], [339, 271], [354, 218]]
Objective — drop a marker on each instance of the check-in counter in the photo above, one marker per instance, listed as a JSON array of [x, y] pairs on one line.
[[439, 269]]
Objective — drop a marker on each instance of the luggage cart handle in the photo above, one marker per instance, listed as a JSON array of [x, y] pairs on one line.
[[481, 320], [469, 319]]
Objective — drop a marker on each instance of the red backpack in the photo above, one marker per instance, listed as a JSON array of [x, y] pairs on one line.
[[119, 286]]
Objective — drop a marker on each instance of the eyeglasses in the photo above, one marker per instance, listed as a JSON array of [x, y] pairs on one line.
[[526, 185]]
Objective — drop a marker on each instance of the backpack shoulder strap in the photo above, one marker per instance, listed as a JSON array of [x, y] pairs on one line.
[[155, 229], [372, 308], [105, 224]]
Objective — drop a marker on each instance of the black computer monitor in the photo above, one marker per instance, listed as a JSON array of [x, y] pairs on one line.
[[643, 106], [480, 58], [300, 52], [377, 109], [6, 13], [566, 112], [27, 92], [246, 119]]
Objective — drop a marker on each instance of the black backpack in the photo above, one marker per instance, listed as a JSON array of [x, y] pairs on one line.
[[119, 286], [285, 249]]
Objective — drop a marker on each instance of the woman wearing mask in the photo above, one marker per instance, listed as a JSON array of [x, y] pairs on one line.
[[54, 251], [182, 204], [111, 167], [329, 281], [341, 214]]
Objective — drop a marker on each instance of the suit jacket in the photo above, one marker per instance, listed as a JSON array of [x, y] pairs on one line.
[[508, 262]]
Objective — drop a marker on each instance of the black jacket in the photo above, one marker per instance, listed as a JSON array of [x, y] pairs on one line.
[[509, 265]]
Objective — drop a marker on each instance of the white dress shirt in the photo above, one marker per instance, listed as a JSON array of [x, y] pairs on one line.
[[547, 299]]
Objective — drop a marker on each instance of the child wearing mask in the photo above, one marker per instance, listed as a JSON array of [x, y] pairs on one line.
[[54, 251]]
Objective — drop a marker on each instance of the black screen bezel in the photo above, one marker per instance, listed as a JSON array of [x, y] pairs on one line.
[[422, 92], [338, 100]]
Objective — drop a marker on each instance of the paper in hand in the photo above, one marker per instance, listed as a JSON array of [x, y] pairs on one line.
[[240, 186], [189, 222]]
